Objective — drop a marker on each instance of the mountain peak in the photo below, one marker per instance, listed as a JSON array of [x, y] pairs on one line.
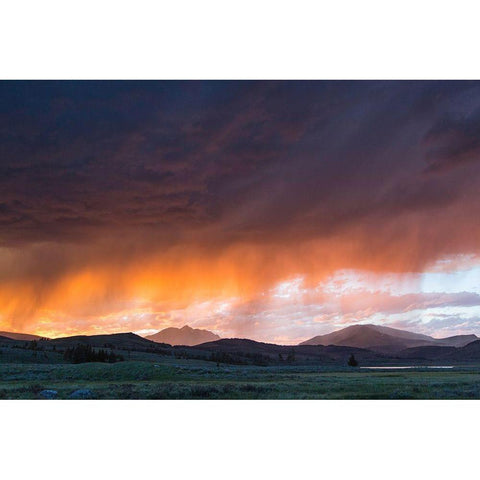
[[374, 337], [183, 336]]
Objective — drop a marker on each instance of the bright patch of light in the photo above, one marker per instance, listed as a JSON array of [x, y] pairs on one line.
[[288, 289], [452, 282], [145, 332], [345, 282]]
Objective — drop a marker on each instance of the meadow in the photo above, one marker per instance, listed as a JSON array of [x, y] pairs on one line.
[[147, 376]]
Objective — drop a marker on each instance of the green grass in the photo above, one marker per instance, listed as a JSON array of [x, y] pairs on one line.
[[158, 377]]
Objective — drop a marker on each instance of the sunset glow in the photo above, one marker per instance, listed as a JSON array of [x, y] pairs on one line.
[[268, 210]]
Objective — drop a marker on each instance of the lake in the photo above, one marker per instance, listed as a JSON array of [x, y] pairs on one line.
[[390, 367]]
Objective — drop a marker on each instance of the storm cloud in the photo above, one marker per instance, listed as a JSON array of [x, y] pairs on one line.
[[184, 191]]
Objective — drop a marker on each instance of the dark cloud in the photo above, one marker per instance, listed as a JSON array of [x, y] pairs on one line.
[[453, 141], [249, 159]]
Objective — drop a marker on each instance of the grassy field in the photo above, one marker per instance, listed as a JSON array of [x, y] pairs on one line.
[[146, 376]]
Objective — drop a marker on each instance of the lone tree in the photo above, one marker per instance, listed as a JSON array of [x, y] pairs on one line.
[[352, 362], [291, 356]]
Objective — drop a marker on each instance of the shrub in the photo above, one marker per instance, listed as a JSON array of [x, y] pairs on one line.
[[352, 362]]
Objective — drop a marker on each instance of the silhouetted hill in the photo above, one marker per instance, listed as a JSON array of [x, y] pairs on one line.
[[245, 348], [468, 353], [457, 340], [115, 340], [240, 344], [183, 336], [20, 336], [427, 352]]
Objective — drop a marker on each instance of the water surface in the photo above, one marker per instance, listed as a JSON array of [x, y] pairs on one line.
[[390, 367]]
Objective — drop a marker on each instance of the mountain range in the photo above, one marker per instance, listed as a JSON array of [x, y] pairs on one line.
[[370, 344], [385, 339]]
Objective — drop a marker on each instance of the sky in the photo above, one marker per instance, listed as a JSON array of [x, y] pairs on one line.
[[274, 210]]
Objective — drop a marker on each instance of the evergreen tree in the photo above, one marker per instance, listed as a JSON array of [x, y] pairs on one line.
[[352, 362], [291, 356]]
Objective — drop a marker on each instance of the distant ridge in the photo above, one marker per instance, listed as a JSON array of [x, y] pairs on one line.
[[183, 336], [114, 340], [457, 340], [21, 336], [385, 339], [247, 350], [468, 353], [6, 339]]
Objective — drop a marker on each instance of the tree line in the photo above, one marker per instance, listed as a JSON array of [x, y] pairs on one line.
[[85, 353]]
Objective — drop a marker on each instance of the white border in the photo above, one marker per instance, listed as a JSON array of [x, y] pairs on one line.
[[242, 40], [261, 39], [239, 440]]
